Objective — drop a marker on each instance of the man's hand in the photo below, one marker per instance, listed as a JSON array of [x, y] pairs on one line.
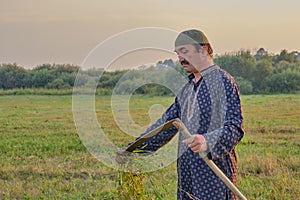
[[197, 143]]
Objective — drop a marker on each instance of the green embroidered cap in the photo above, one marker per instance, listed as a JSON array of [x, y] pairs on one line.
[[192, 36]]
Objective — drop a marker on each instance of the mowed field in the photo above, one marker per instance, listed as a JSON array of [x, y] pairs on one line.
[[42, 156]]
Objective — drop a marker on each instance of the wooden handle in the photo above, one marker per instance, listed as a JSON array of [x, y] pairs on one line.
[[182, 129]]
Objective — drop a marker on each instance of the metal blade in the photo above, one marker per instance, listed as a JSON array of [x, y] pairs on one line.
[[149, 135]]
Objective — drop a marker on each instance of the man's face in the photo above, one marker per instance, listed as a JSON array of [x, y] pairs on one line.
[[189, 57]]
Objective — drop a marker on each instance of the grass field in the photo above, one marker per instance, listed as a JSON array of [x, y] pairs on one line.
[[42, 156]]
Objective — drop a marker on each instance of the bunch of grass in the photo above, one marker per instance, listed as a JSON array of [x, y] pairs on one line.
[[131, 185], [130, 180]]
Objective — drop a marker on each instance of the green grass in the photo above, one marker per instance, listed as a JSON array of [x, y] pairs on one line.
[[42, 157]]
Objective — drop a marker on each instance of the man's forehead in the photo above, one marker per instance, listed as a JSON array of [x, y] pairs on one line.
[[182, 47]]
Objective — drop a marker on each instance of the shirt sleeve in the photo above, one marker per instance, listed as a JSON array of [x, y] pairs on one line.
[[222, 140], [164, 137]]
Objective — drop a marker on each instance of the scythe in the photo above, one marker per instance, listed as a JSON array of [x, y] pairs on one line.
[[182, 129]]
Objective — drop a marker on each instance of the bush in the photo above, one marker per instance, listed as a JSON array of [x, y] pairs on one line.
[[244, 85], [57, 84], [285, 82]]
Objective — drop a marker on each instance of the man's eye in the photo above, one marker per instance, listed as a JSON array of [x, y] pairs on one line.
[[184, 52]]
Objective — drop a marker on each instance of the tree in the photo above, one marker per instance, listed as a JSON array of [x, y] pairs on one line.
[[285, 82], [41, 78], [13, 76], [263, 70], [241, 64], [285, 56], [244, 85]]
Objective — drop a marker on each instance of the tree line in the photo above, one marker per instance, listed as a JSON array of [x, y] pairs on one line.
[[262, 73]]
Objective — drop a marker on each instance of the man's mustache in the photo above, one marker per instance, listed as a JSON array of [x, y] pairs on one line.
[[184, 62]]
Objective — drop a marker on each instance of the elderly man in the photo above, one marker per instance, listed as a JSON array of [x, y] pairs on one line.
[[209, 106]]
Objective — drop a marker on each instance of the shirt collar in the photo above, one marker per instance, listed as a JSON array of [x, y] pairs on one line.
[[208, 70], [204, 72]]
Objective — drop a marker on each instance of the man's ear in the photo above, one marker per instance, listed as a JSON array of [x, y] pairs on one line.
[[204, 50]]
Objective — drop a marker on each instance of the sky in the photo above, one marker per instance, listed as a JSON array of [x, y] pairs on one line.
[[35, 32]]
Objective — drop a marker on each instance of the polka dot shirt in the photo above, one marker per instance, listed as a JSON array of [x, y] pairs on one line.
[[210, 107]]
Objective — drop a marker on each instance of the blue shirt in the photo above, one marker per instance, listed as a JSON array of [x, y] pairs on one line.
[[210, 107]]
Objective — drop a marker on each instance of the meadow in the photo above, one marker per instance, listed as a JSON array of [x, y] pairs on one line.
[[42, 156]]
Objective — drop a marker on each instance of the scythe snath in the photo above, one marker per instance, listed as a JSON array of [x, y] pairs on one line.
[[183, 130]]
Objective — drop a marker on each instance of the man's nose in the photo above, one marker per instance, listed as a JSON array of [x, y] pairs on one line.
[[180, 58]]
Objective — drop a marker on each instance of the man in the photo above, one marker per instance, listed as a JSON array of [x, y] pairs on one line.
[[209, 106]]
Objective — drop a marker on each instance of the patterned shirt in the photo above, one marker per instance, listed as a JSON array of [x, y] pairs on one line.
[[210, 107]]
